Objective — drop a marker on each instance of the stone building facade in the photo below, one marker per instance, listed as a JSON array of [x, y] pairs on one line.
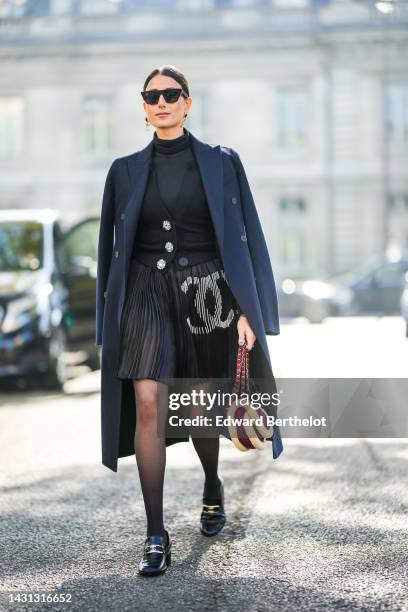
[[313, 94]]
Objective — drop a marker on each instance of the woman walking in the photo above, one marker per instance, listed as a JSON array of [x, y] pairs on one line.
[[176, 312]]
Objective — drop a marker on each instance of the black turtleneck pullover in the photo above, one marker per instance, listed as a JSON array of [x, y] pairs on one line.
[[171, 158]]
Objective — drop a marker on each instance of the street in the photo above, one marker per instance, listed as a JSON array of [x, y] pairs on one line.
[[322, 528]]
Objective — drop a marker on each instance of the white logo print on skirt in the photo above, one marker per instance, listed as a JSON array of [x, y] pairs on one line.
[[204, 284]]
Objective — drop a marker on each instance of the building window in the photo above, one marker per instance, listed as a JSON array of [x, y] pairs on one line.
[[292, 249], [192, 5], [398, 202], [97, 126], [19, 8], [291, 4], [96, 7], [396, 110], [11, 126], [290, 117], [398, 219], [292, 205], [293, 232]]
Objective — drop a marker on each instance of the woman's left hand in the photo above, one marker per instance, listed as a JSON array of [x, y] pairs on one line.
[[245, 332]]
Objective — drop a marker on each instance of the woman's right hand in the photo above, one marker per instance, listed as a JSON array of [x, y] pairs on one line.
[[245, 333]]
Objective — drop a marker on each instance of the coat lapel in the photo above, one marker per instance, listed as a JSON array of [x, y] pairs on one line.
[[210, 165]]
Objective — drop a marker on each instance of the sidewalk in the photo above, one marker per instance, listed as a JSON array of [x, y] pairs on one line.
[[321, 528]]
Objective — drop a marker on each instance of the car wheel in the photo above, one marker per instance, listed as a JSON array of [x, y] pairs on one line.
[[57, 374], [94, 360], [316, 312]]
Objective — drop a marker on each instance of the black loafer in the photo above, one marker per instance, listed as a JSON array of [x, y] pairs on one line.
[[213, 516], [156, 555]]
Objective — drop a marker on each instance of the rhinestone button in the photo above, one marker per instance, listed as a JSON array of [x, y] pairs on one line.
[[105, 294], [160, 264], [234, 200], [243, 238], [183, 261], [169, 246], [116, 253], [166, 224], [122, 216]]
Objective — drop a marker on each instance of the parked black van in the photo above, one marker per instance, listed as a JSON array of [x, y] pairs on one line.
[[47, 295]]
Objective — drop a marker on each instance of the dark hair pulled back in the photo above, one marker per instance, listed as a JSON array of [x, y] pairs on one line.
[[171, 71]]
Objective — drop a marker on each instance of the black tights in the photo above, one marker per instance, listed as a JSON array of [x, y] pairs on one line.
[[150, 451]]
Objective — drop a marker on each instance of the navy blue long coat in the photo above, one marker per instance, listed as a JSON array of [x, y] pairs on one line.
[[245, 260]]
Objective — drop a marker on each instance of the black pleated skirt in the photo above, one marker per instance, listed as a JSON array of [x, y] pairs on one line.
[[178, 324]]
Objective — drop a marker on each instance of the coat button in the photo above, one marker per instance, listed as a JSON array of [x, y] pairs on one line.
[[234, 200], [122, 216], [160, 264], [116, 253], [243, 238], [105, 294], [183, 261], [166, 224], [169, 246]]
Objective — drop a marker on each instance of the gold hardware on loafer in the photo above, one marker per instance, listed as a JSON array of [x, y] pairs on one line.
[[210, 509], [213, 515], [154, 548]]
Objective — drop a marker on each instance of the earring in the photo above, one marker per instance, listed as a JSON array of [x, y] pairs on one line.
[[147, 124]]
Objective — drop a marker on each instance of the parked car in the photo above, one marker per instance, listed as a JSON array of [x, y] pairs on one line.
[[404, 304], [314, 299], [47, 294], [374, 288]]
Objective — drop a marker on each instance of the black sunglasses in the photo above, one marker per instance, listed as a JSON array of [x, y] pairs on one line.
[[171, 94]]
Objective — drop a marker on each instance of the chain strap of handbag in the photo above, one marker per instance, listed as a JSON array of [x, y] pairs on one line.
[[246, 434]]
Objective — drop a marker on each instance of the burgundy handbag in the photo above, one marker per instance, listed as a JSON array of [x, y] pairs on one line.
[[243, 435]]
